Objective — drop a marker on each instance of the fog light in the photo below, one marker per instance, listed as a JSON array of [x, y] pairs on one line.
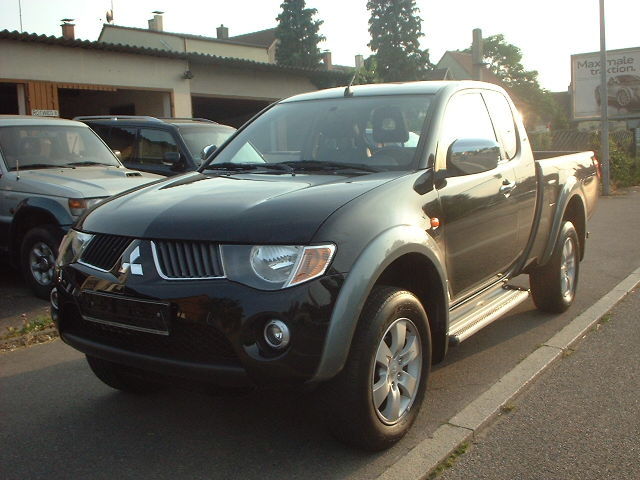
[[54, 298], [276, 334]]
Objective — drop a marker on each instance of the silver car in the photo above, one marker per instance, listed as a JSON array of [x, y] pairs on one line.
[[51, 172]]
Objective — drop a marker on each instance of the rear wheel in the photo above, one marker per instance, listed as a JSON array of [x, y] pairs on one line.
[[623, 98], [38, 257], [374, 401], [553, 287], [121, 377]]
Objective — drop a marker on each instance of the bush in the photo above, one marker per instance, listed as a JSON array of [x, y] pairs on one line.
[[623, 166]]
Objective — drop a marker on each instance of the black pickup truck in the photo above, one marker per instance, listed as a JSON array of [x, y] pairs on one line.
[[341, 239]]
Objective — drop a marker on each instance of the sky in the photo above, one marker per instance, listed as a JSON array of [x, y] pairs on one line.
[[547, 31]]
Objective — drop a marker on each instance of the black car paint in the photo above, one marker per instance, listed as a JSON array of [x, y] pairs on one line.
[[373, 219]]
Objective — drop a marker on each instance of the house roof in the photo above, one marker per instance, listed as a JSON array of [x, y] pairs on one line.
[[264, 38], [466, 62], [254, 39], [193, 57]]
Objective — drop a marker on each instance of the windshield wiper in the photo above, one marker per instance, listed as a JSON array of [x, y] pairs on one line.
[[230, 166], [329, 166], [88, 163]]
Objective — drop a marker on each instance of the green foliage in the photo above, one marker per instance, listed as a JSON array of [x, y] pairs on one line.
[[298, 35], [396, 29], [624, 169], [41, 322], [369, 72]]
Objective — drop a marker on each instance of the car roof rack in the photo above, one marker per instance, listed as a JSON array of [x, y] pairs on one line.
[[118, 117], [188, 118]]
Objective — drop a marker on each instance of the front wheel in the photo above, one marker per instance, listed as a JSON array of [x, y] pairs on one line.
[[375, 399], [553, 286], [38, 257]]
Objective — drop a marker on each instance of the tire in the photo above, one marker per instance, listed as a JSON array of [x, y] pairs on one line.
[[553, 286], [374, 400], [121, 377], [38, 254], [623, 98]]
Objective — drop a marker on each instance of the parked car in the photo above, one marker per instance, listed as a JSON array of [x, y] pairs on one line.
[[51, 172], [303, 254], [164, 146], [623, 91]]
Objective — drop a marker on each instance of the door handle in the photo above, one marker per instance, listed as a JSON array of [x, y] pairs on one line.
[[507, 187]]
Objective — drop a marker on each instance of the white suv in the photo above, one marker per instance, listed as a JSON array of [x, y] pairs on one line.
[[51, 171]]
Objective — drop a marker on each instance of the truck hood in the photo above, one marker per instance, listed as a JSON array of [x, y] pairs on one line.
[[243, 208], [80, 182]]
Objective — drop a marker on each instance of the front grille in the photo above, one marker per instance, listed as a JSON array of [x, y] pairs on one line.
[[187, 260], [190, 342], [104, 251]]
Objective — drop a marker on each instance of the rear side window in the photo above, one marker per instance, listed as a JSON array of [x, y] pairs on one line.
[[466, 117], [502, 117], [153, 144]]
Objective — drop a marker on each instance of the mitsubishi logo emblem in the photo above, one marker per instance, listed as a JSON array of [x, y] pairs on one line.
[[131, 265]]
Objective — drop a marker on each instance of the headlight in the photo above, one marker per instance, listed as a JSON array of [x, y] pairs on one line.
[[77, 206], [72, 246], [272, 267]]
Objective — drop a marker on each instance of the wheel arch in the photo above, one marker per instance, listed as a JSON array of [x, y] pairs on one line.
[[31, 213], [381, 263], [570, 206]]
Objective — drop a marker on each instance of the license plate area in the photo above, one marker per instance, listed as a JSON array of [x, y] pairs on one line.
[[130, 313]]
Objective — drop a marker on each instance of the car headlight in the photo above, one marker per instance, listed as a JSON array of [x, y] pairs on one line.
[[77, 206], [272, 267], [72, 246]]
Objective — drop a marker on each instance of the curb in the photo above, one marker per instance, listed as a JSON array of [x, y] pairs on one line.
[[425, 457]]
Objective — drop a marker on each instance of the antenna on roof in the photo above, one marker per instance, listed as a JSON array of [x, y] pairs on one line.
[[359, 64], [157, 12], [67, 20]]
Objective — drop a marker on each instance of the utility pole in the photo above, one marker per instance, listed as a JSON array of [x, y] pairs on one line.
[[604, 103]]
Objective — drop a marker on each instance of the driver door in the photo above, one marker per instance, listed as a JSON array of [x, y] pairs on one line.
[[480, 219]]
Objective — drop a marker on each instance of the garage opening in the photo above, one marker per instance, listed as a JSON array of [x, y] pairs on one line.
[[9, 99], [78, 102], [229, 111]]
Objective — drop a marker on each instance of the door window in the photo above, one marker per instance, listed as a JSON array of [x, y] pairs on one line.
[[153, 144], [466, 117], [124, 140], [503, 121]]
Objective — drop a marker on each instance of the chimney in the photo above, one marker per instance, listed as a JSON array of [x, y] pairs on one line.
[[155, 23], [68, 29], [326, 59], [477, 54], [359, 61], [222, 32]]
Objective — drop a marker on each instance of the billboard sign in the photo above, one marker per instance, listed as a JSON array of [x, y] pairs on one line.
[[623, 84]]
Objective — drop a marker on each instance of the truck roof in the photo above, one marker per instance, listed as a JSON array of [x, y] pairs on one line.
[[400, 88]]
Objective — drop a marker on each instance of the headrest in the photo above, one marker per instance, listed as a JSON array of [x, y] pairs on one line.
[[389, 126]]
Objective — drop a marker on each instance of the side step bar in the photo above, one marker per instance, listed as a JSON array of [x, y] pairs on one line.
[[483, 310]]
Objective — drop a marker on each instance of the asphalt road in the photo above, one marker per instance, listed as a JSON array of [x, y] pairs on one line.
[[57, 420], [579, 420]]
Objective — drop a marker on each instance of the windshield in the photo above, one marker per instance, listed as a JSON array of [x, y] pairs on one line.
[[371, 133], [51, 146], [199, 136]]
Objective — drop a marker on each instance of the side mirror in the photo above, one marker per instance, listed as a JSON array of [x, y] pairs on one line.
[[171, 158], [118, 154], [207, 151], [473, 155]]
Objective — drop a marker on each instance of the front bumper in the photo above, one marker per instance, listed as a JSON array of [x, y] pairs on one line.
[[215, 329]]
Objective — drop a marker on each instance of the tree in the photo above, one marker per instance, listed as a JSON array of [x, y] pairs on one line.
[[505, 60], [297, 33], [396, 29]]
